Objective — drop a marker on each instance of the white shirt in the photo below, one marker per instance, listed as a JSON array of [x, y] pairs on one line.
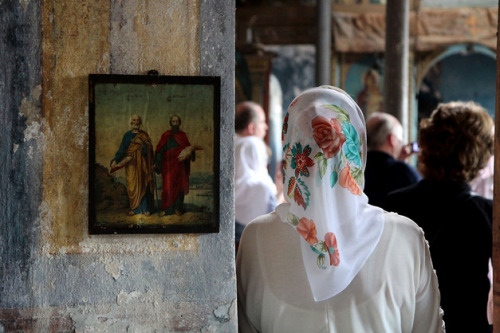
[[395, 291], [483, 183]]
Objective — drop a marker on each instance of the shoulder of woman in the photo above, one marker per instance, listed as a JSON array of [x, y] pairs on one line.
[[402, 224], [264, 221]]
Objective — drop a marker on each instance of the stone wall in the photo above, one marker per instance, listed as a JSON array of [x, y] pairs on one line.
[[54, 277]]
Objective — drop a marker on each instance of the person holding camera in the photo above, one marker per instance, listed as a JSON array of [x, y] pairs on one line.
[[386, 169]]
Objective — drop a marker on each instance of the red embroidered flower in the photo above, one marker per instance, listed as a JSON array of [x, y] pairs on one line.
[[328, 135], [307, 229], [331, 246], [347, 181], [301, 160], [285, 127]]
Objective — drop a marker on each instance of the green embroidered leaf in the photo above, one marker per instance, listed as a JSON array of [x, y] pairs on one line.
[[342, 119], [342, 111], [297, 149], [322, 163], [333, 178], [293, 219], [320, 246], [318, 156], [321, 261], [356, 171], [357, 174], [343, 115]]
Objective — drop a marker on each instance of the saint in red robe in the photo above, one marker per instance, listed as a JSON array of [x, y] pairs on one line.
[[175, 173]]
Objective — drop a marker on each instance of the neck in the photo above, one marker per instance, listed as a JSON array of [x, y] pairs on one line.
[[244, 133], [386, 149]]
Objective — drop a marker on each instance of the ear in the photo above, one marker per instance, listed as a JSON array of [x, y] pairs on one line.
[[251, 128], [392, 140]]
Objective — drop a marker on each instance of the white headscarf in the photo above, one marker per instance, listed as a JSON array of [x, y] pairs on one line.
[[324, 147], [254, 188]]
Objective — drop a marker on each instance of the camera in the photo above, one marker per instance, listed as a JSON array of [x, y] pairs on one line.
[[414, 147]]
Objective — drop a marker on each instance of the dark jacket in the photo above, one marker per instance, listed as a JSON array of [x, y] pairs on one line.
[[458, 227], [385, 174]]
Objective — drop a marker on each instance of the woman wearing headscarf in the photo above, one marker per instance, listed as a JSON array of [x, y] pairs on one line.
[[455, 144], [327, 261]]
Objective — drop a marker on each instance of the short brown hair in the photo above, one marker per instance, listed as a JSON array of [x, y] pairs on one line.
[[456, 142], [246, 113]]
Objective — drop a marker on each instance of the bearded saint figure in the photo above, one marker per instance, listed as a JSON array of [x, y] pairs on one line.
[[136, 155], [173, 157]]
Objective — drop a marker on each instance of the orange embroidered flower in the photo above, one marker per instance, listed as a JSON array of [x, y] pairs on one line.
[[328, 135], [299, 199], [347, 181], [307, 229], [332, 249], [291, 186]]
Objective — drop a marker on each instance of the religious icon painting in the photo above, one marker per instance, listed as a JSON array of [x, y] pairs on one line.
[[153, 154]]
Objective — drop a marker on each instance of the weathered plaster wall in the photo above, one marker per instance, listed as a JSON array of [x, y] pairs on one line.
[[21, 142], [54, 276]]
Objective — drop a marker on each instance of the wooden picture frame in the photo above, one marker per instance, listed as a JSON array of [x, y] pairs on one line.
[[147, 175]]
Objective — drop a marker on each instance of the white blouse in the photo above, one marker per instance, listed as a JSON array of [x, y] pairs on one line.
[[395, 291]]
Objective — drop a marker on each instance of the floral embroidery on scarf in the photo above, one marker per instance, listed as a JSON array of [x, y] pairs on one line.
[[291, 186], [346, 180], [300, 162], [352, 143], [328, 135], [286, 152], [285, 127], [300, 196], [332, 249], [307, 229], [339, 141]]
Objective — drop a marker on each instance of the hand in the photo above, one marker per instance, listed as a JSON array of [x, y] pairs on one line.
[[406, 151], [112, 168], [185, 153]]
